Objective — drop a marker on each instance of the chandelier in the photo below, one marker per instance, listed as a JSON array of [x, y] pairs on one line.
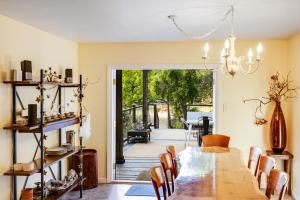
[[229, 62]]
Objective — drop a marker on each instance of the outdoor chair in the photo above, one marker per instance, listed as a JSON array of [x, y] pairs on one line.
[[204, 129], [188, 132]]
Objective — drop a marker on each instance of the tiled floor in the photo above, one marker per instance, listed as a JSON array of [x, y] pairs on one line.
[[106, 192]]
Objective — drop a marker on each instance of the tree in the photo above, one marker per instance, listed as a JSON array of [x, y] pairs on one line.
[[161, 87], [176, 88], [132, 87], [181, 87]]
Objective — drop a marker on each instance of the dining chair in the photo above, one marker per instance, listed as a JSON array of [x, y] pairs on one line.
[[254, 156], [266, 164], [158, 180], [167, 165], [215, 140], [277, 183], [171, 151]]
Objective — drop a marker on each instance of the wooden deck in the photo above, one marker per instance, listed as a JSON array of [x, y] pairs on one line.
[[133, 167], [140, 157]]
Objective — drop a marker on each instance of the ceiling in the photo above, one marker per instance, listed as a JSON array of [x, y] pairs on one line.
[[146, 20]]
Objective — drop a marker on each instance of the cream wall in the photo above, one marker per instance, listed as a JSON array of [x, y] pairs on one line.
[[294, 64], [237, 118], [18, 42]]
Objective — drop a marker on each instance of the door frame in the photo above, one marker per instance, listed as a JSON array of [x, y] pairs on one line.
[[111, 105]]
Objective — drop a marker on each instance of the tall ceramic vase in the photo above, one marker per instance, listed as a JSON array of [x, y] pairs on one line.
[[278, 130]]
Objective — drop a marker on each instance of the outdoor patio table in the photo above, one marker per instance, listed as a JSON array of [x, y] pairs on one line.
[[195, 122], [214, 173]]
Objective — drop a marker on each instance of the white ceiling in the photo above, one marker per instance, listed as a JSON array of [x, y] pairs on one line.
[[146, 20]]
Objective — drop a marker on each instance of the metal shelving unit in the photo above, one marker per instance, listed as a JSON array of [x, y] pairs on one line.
[[44, 161]]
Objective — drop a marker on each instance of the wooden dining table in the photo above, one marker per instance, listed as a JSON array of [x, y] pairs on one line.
[[214, 173]]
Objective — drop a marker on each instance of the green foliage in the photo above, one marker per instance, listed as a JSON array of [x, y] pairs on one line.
[[175, 87], [182, 87], [132, 89]]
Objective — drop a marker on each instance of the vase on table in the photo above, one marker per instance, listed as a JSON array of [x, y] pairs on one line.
[[278, 130]]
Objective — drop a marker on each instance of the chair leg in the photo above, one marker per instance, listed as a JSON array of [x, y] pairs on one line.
[[156, 189], [185, 138]]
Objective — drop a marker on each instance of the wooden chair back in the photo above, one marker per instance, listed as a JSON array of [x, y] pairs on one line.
[[277, 182], [171, 151], [254, 156], [266, 164], [167, 164], [158, 180], [215, 140]]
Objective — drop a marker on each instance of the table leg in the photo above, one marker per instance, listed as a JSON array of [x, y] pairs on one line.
[[287, 169], [198, 138]]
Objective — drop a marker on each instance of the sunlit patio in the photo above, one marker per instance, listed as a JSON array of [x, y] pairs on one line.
[[139, 157]]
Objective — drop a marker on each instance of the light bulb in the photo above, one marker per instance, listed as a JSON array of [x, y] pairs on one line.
[[259, 48], [250, 53], [223, 53], [226, 45], [206, 47]]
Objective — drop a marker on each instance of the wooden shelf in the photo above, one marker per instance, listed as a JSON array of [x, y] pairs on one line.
[[50, 126], [58, 195], [22, 83], [35, 83], [48, 161], [68, 84]]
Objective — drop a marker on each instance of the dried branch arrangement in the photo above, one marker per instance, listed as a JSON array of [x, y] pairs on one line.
[[279, 89], [75, 98]]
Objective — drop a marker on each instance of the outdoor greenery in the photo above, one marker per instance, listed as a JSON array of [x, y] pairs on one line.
[[174, 88]]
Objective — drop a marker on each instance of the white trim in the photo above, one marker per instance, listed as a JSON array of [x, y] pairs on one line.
[[161, 66], [295, 195], [110, 157], [102, 180], [216, 113], [110, 110]]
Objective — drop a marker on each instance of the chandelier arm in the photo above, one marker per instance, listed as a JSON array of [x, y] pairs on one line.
[[250, 70], [213, 30], [215, 69]]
